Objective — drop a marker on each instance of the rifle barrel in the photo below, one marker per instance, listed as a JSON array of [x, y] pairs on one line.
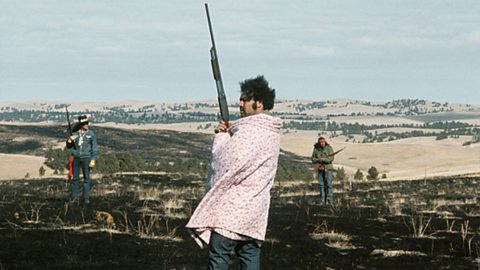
[[69, 125], [222, 99], [210, 26], [334, 153], [68, 120]]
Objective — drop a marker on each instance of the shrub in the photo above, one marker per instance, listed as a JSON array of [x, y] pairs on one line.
[[358, 175], [340, 175], [372, 173], [41, 171]]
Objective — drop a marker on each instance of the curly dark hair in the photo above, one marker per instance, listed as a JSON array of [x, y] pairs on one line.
[[258, 90]]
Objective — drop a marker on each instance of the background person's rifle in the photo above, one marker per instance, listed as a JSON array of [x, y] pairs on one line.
[[69, 125], [222, 99], [70, 159]]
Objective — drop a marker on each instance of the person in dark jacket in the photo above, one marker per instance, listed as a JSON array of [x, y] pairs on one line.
[[322, 157], [83, 146]]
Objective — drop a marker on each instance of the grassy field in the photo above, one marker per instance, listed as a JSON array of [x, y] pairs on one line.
[[433, 223], [158, 148], [412, 158], [371, 225]]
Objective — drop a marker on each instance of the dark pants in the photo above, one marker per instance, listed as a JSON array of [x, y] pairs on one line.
[[221, 248], [80, 163], [325, 180]]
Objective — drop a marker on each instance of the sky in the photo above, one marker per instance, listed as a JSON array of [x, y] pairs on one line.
[[159, 50]]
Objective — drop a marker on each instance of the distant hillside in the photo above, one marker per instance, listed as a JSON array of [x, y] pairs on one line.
[[143, 112], [157, 150], [357, 121]]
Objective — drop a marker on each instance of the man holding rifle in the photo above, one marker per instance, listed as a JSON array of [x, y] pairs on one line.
[[233, 214], [322, 157], [83, 146]]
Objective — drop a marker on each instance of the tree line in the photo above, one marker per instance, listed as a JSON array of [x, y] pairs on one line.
[[57, 160], [358, 128], [128, 161]]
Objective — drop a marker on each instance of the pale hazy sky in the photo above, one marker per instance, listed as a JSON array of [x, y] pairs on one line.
[[159, 50]]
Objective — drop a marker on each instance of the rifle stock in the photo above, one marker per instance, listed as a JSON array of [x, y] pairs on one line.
[[222, 99]]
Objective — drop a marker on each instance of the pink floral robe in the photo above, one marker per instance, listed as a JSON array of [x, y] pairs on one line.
[[242, 170]]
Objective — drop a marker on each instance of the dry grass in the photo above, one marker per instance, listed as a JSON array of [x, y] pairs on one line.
[[299, 193], [395, 206], [33, 216], [148, 224], [173, 208], [418, 225], [333, 239], [149, 194], [396, 253]]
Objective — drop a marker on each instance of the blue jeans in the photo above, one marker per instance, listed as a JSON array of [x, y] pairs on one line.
[[221, 248], [326, 186], [80, 163]]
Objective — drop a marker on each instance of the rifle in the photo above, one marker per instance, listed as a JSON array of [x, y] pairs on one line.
[[317, 166], [222, 99], [69, 125], [70, 159], [334, 153]]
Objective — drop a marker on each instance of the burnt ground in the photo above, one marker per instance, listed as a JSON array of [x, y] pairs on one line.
[[431, 224]]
